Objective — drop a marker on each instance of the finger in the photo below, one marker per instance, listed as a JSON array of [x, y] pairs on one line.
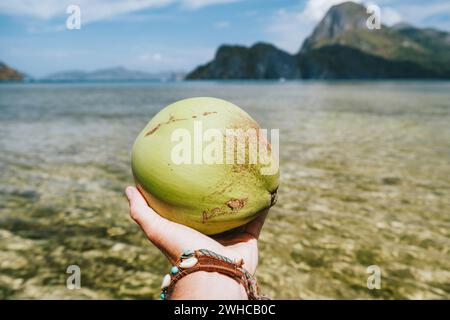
[[254, 227], [249, 231], [151, 223], [170, 237], [223, 237], [139, 210], [248, 250]]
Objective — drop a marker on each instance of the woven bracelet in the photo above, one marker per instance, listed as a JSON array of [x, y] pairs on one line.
[[205, 260]]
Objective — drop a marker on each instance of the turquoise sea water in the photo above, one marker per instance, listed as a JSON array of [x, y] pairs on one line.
[[365, 180]]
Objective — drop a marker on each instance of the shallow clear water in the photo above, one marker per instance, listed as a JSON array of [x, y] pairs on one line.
[[365, 180]]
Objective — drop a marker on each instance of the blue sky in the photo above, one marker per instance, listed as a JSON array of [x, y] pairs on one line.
[[156, 35]]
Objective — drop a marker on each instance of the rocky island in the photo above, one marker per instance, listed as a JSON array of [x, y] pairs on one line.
[[9, 74], [340, 47]]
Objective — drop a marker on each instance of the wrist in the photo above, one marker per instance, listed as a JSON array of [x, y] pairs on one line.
[[209, 275], [202, 285]]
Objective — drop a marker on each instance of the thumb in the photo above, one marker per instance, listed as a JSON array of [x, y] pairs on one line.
[[151, 223], [139, 210], [167, 236], [170, 237]]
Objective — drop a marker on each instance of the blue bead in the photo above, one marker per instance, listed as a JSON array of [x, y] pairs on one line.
[[162, 296], [174, 270]]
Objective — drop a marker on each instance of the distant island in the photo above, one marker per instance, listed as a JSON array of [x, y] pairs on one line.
[[110, 74], [113, 74], [9, 74], [340, 47]]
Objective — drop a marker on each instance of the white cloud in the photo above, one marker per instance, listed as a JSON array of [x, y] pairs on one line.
[[427, 14], [390, 16], [196, 4], [222, 24], [91, 10], [170, 58], [94, 10], [150, 57], [42, 9]]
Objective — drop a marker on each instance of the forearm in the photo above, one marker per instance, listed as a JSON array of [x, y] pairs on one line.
[[204, 285]]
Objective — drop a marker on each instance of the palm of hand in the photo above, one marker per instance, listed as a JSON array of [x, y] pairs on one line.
[[172, 238]]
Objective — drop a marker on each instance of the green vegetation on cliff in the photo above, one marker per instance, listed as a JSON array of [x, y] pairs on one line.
[[340, 47]]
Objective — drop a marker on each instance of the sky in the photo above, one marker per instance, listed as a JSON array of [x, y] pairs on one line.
[[163, 35]]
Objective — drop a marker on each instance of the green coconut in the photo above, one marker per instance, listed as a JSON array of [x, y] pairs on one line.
[[205, 193]]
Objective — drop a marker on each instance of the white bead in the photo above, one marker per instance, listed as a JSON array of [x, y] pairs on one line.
[[165, 282], [188, 263]]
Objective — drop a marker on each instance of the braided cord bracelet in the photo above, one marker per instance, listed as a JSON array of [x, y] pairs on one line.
[[205, 260]]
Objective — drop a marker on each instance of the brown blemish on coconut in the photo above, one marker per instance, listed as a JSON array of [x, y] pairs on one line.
[[208, 214], [206, 113], [153, 130], [236, 204], [171, 120]]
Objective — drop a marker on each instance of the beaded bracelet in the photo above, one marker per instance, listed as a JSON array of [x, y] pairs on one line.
[[206, 260]]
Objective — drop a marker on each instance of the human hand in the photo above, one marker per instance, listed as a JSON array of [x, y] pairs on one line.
[[172, 238]]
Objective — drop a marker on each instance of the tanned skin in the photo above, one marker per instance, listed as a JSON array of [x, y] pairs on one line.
[[172, 238]]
